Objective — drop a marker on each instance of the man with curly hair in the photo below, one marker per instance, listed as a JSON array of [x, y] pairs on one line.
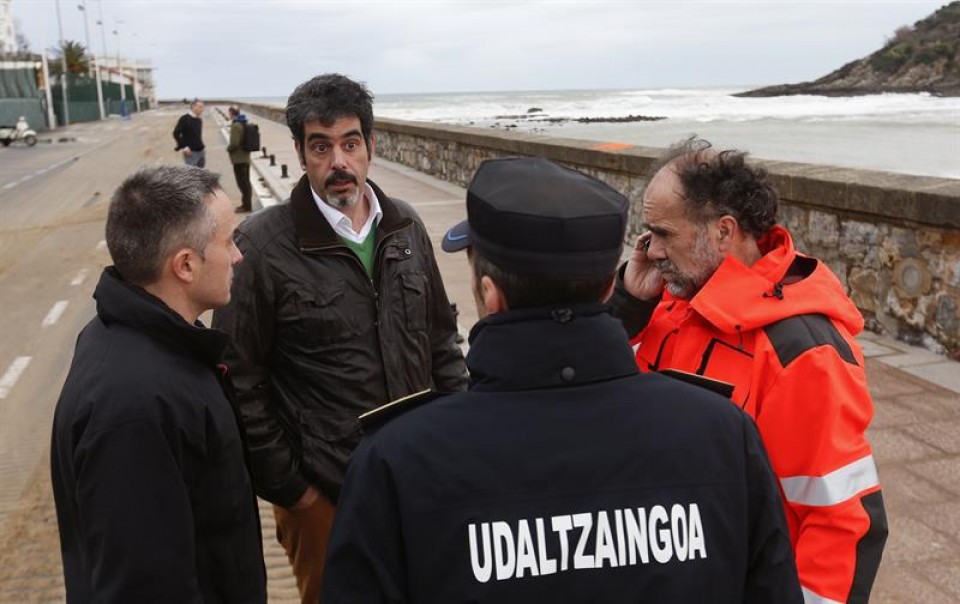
[[715, 287]]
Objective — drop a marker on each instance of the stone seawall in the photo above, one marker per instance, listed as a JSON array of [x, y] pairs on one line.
[[893, 239]]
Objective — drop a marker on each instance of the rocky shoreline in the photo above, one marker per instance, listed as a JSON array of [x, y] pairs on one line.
[[815, 90], [535, 115]]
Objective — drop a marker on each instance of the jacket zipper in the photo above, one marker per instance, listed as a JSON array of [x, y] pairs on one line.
[[342, 250]]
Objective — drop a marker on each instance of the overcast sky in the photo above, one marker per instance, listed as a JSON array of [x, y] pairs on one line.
[[262, 48]]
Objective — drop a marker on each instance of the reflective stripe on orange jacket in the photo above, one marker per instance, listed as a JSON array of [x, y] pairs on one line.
[[782, 332]]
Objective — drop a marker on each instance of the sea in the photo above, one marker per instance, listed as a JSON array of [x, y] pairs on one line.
[[907, 133]]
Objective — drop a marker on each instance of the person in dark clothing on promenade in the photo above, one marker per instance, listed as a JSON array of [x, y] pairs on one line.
[[189, 136], [563, 475], [337, 309], [154, 500], [240, 158]]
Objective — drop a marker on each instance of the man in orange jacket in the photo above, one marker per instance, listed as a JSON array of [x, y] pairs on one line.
[[715, 287]]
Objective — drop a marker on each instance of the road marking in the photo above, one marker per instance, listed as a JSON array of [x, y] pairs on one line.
[[54, 315], [9, 379], [101, 245], [40, 172], [81, 277]]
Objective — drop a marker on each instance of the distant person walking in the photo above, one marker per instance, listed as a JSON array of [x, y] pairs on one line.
[[189, 136], [154, 500], [240, 158]]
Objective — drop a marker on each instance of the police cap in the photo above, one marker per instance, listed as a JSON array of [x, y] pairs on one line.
[[531, 216]]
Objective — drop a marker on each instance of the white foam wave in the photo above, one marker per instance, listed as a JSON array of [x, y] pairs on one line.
[[691, 105]]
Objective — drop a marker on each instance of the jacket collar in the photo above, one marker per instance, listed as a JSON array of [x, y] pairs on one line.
[[121, 302], [742, 298], [312, 229], [548, 348]]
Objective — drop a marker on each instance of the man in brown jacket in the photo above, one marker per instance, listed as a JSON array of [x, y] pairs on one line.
[[338, 308]]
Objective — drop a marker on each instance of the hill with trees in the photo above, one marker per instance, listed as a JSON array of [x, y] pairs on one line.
[[921, 58]]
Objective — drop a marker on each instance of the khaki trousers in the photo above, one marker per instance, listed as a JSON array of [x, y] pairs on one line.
[[304, 535]]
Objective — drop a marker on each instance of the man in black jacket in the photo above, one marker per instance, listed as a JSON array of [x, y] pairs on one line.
[[338, 308], [189, 136], [563, 475], [154, 500]]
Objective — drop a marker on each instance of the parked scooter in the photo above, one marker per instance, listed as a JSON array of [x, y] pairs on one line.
[[20, 132]]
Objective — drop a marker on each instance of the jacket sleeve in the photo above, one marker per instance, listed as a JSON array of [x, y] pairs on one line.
[[249, 321], [634, 313], [449, 368], [135, 507], [236, 134], [816, 438], [178, 133], [365, 561], [771, 569]]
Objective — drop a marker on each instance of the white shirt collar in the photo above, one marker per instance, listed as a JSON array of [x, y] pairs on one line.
[[341, 223]]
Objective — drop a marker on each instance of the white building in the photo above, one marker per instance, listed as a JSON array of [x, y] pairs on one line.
[[8, 36], [140, 70]]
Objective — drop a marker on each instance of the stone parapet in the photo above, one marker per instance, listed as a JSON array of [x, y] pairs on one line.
[[893, 239]]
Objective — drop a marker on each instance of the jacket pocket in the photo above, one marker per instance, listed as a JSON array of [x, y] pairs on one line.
[[413, 288], [327, 440], [724, 361], [321, 313]]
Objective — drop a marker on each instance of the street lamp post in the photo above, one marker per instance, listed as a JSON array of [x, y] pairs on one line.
[[86, 27], [63, 57], [103, 35], [123, 89]]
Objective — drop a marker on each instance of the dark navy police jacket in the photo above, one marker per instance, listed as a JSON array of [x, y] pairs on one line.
[[563, 475]]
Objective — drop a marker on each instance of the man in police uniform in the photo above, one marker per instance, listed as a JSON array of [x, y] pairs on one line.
[[563, 475]]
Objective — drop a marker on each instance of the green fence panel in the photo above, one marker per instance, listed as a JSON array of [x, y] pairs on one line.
[[83, 102], [18, 83], [32, 109], [27, 82]]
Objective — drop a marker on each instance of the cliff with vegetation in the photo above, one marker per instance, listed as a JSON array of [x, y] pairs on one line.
[[921, 58]]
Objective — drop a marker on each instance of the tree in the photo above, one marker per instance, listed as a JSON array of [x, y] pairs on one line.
[[77, 60], [900, 35]]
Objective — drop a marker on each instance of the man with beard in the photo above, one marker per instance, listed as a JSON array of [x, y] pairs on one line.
[[715, 287], [337, 309]]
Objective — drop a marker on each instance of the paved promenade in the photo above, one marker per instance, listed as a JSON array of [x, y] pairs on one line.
[[915, 434]]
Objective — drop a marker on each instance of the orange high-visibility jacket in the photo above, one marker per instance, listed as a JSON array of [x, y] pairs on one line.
[[782, 332]]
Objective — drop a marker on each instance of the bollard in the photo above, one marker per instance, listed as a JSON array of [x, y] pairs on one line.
[[456, 313], [264, 151], [283, 171], [273, 159]]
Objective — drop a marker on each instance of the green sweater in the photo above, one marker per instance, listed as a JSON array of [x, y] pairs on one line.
[[364, 251]]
